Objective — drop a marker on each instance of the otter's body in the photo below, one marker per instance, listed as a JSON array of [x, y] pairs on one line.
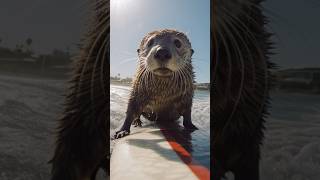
[[242, 82], [163, 98], [163, 86]]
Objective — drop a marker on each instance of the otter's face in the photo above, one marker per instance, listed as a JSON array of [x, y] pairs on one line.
[[164, 52]]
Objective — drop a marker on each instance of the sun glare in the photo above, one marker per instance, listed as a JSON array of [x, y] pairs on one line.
[[119, 5]]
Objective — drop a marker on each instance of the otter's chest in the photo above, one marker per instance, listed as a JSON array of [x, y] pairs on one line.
[[164, 102]]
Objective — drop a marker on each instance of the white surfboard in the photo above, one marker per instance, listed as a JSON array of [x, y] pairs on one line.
[[146, 154]]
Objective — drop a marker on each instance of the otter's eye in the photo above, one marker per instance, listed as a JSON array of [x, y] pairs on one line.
[[150, 43], [177, 43]]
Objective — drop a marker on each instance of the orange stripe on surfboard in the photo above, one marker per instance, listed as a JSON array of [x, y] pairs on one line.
[[200, 171]]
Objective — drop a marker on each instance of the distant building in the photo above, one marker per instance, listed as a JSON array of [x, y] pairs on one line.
[[12, 59], [202, 86], [304, 79]]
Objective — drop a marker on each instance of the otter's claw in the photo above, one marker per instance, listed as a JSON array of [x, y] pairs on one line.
[[121, 133], [137, 123], [190, 126]]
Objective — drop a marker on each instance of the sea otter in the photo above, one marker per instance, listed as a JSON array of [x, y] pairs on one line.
[[82, 138], [241, 83], [162, 90]]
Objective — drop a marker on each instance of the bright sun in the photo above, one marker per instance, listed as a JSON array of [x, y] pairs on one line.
[[119, 5]]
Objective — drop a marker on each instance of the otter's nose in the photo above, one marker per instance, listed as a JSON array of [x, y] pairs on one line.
[[162, 54]]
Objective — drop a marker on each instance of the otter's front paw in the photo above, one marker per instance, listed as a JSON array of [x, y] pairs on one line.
[[121, 133], [190, 126], [137, 123]]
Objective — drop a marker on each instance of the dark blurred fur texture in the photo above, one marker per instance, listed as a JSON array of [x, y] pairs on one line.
[[81, 145], [241, 83]]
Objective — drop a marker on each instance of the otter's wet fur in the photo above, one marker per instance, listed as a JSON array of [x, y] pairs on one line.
[[241, 83], [81, 145], [161, 99]]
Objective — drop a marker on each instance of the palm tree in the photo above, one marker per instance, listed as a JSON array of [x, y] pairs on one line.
[[29, 41], [29, 49]]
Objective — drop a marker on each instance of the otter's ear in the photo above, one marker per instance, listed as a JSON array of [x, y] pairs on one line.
[[192, 51], [138, 51]]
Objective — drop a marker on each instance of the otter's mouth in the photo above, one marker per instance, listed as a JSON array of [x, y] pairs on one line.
[[162, 71]]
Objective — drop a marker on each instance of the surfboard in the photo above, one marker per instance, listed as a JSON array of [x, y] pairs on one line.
[[152, 153]]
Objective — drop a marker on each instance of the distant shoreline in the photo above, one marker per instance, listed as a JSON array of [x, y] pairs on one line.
[[32, 76], [201, 88], [120, 83]]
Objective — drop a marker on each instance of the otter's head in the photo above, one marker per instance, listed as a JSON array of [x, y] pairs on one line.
[[164, 52]]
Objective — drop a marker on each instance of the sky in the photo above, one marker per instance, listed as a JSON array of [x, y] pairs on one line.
[[60, 24], [131, 20], [50, 23], [296, 25]]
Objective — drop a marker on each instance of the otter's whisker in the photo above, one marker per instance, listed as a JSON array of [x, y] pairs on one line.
[[102, 75], [95, 45], [261, 56], [239, 54], [228, 49], [127, 60], [97, 59], [234, 26]]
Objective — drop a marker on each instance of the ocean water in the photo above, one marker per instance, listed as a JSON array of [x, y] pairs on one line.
[[291, 148], [29, 109], [197, 142]]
